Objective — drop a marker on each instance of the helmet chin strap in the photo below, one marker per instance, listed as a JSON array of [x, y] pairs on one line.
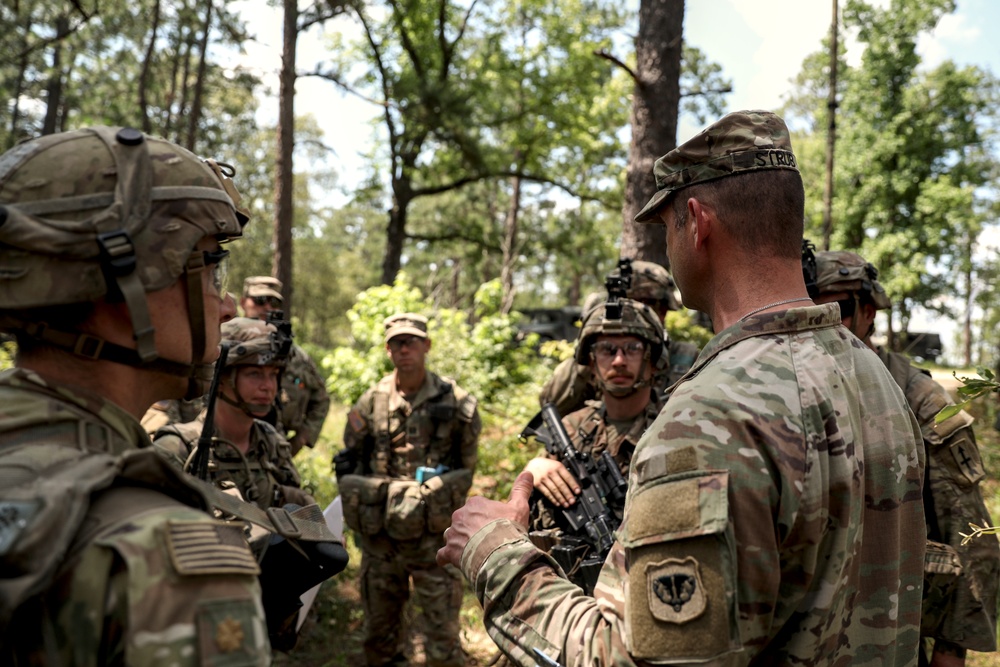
[[240, 403]]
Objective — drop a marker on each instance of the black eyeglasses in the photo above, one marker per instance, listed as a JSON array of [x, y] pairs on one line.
[[274, 302], [399, 342], [606, 350]]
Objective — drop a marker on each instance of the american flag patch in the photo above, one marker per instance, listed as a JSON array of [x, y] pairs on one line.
[[209, 547], [356, 421]]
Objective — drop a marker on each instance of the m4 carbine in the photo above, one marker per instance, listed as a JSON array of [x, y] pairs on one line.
[[588, 524]]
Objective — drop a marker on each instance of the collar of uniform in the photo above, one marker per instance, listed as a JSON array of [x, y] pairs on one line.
[[778, 322], [99, 409], [432, 386]]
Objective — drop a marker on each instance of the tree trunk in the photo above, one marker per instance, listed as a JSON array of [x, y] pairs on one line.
[[53, 99], [509, 246], [147, 62], [281, 266], [199, 83], [395, 232], [970, 303], [168, 108], [655, 101], [831, 133], [185, 77], [22, 69]]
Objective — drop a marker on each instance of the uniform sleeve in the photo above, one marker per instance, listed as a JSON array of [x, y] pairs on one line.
[[183, 590], [568, 387], [358, 438], [952, 500], [472, 425], [319, 402]]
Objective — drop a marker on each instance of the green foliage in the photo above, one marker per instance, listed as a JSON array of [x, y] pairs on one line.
[[680, 326], [970, 389], [8, 348]]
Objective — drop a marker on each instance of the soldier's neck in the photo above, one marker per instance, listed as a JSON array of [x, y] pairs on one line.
[[408, 383], [233, 425], [628, 407]]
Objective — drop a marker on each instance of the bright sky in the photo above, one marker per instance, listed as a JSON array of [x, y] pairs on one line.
[[759, 43]]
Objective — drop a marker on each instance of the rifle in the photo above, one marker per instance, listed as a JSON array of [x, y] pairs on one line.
[[589, 523], [199, 466]]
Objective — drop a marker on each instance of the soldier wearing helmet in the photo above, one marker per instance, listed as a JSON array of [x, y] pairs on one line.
[[624, 353], [303, 402], [960, 581], [110, 254], [248, 453], [571, 384]]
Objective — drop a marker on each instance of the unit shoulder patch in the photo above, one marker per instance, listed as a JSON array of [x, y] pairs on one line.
[[357, 421], [676, 593]]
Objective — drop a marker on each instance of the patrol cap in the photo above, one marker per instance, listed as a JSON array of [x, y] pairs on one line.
[[405, 323], [740, 142], [843, 271], [262, 286]]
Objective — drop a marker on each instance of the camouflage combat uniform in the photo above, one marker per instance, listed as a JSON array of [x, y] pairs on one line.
[[570, 385], [138, 590], [965, 619], [173, 411], [265, 475], [761, 503], [304, 401], [396, 435]]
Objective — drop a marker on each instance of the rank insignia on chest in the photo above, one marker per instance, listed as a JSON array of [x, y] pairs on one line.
[[229, 635], [675, 590]]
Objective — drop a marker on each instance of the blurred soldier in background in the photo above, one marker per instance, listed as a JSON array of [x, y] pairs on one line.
[[303, 401], [410, 448], [960, 582], [572, 382], [109, 243]]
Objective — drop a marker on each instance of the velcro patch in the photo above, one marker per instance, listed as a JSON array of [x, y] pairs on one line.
[[966, 456], [676, 593], [209, 547], [357, 422], [227, 633]]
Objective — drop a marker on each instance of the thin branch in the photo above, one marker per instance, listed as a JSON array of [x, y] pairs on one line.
[[52, 40], [712, 91], [452, 236], [384, 75], [329, 76], [454, 185], [602, 53]]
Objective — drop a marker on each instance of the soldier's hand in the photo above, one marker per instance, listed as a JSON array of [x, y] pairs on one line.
[[554, 481], [477, 512]]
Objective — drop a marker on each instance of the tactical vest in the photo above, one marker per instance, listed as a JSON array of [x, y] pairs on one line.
[[433, 430], [257, 474]]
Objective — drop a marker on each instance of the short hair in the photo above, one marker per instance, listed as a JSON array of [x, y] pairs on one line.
[[763, 210]]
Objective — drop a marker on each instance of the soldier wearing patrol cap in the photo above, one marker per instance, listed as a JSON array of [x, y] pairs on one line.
[[571, 384], [960, 580], [773, 514], [410, 447], [625, 356], [109, 243], [303, 401]]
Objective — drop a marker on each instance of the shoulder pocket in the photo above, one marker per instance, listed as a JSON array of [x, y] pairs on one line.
[[681, 569]]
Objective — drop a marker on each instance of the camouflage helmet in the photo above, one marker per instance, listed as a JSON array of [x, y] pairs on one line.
[[110, 213], [842, 271], [650, 282], [637, 319], [253, 342]]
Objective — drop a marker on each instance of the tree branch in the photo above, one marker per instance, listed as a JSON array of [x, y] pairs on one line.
[[330, 76], [713, 91], [474, 178], [603, 53]]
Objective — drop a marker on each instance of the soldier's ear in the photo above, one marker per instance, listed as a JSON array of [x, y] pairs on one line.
[[428, 341]]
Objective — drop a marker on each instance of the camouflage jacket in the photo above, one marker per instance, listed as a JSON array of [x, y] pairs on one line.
[[265, 475], [773, 517], [592, 434], [164, 413], [395, 435], [104, 555], [570, 386], [952, 500], [304, 401]]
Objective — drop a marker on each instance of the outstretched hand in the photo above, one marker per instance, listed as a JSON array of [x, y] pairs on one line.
[[478, 512]]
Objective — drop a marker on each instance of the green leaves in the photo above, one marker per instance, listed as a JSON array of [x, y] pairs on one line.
[[971, 389]]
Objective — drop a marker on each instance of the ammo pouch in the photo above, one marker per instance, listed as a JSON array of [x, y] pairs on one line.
[[942, 569], [443, 494], [404, 510], [363, 501]]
